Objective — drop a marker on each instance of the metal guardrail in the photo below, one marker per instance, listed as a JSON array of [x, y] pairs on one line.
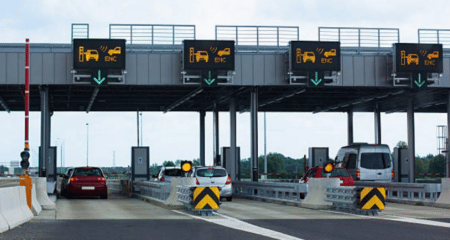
[[434, 36], [159, 190], [9, 181], [184, 194], [347, 199], [362, 39], [271, 190], [259, 38], [411, 192], [152, 34]]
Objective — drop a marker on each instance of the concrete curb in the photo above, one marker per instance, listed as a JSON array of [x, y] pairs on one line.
[[37, 209], [315, 199], [285, 202], [11, 206], [41, 194]]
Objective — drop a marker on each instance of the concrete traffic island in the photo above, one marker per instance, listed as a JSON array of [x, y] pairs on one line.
[[444, 199], [316, 191], [41, 194]]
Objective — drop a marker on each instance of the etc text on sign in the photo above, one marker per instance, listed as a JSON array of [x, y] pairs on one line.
[[208, 55], [99, 53], [315, 56], [411, 57]]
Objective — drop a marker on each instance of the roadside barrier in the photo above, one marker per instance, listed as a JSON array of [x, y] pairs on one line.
[[316, 192], [3, 224], [41, 194], [444, 198], [200, 199], [13, 207], [359, 200], [37, 209]]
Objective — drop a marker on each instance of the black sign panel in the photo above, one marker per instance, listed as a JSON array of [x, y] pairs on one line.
[[99, 53], [307, 55], [208, 55], [411, 57]]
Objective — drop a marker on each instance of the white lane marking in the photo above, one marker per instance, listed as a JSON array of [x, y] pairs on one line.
[[400, 219], [243, 226], [421, 221]]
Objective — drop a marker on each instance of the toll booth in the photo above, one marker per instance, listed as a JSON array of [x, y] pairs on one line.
[[318, 156], [401, 165], [49, 168], [140, 163], [232, 167]]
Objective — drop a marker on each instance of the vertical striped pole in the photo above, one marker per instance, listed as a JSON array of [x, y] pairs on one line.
[[27, 91]]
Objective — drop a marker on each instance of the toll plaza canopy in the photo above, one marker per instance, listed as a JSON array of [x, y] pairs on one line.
[[164, 68]]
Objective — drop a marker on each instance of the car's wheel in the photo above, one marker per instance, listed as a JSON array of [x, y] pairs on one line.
[[229, 199], [104, 196]]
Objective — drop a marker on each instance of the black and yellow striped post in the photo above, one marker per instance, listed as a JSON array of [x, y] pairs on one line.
[[373, 198], [206, 198]]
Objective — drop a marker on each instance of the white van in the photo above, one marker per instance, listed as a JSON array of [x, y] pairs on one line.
[[367, 162]]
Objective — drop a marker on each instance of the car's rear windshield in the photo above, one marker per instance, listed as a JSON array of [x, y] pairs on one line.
[[173, 172], [337, 172], [205, 172], [375, 160], [92, 172]]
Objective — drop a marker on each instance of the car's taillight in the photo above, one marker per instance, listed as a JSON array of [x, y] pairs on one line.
[[228, 180], [162, 179], [358, 174], [101, 179], [74, 179], [392, 175], [196, 181]]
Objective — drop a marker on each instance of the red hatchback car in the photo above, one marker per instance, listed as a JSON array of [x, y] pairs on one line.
[[84, 181], [338, 172]]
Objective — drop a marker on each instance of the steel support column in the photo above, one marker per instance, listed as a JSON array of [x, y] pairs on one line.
[[45, 130], [233, 159], [254, 133], [350, 127], [202, 138], [411, 144], [216, 135], [447, 154], [377, 124]]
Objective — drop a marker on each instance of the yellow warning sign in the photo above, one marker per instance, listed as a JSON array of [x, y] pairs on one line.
[[373, 198], [206, 198]]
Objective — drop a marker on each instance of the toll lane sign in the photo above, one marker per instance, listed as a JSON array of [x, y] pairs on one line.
[[411, 57], [308, 55], [99, 54], [208, 55]]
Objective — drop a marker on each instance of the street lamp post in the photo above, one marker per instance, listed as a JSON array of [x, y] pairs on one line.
[[62, 155]]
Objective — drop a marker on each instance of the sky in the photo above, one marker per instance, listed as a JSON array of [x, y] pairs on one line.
[[175, 135]]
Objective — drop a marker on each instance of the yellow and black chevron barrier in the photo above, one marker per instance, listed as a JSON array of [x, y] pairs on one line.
[[206, 198], [372, 198]]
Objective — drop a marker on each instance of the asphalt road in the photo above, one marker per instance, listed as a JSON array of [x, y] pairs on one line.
[[123, 218]]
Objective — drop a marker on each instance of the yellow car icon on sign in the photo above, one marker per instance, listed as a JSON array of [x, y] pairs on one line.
[[309, 56], [116, 50], [202, 55], [224, 52], [91, 54], [331, 53]]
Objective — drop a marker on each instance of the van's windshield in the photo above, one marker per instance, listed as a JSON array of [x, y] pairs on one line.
[[375, 160]]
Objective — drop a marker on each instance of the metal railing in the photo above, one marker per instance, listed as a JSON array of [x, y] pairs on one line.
[[347, 199], [159, 190], [80, 30], [362, 39], [152, 34], [435, 36], [9, 181], [184, 194], [258, 38], [411, 192], [271, 190]]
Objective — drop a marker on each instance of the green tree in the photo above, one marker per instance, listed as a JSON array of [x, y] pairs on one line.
[[3, 169], [196, 162], [275, 163], [169, 164], [437, 165], [401, 144]]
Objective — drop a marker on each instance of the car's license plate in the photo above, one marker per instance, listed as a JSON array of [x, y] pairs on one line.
[[87, 188]]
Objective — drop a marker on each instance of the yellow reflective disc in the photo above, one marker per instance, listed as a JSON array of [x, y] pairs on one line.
[[186, 167], [328, 168]]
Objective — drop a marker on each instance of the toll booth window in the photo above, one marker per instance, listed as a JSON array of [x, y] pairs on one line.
[[92, 172], [211, 173], [351, 162], [173, 172], [375, 160]]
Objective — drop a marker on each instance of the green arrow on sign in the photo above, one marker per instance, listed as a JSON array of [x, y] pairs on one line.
[[419, 83], [99, 80], [208, 80], [317, 80]]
